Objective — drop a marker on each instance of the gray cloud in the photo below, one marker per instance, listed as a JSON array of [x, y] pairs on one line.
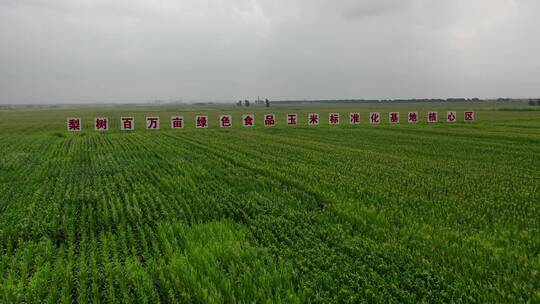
[[366, 9], [137, 50]]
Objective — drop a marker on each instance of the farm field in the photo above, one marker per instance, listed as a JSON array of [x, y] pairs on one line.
[[388, 213]]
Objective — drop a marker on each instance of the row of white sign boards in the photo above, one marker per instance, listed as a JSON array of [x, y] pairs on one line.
[[74, 124]]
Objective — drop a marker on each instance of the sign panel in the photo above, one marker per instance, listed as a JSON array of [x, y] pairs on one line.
[[74, 124], [269, 120], [152, 123], [127, 123], [433, 117], [412, 117], [225, 121], [101, 124], [333, 118], [201, 122], [248, 120], [374, 118], [177, 122], [469, 116], [393, 117], [292, 119], [354, 118], [451, 116], [313, 119]]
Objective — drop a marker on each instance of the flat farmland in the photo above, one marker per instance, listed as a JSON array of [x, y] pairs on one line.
[[432, 212]]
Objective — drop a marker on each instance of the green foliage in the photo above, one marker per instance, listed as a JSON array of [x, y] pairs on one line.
[[390, 213]]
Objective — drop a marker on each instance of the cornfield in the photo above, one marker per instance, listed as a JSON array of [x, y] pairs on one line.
[[349, 213]]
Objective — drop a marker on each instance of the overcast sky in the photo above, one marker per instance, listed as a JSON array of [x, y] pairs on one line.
[[55, 51]]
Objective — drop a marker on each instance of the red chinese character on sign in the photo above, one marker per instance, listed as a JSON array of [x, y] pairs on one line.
[[225, 121], [412, 117], [177, 122], [333, 118], [102, 124], [152, 123], [313, 119], [354, 118], [269, 120], [201, 122], [127, 123], [74, 124], [393, 117], [469, 116], [248, 120], [292, 119], [374, 118], [433, 117], [451, 116]]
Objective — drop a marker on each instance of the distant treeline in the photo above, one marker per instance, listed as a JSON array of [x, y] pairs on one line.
[[534, 102], [391, 100], [266, 102]]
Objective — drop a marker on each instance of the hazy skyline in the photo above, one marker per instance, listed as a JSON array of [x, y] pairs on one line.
[[70, 51]]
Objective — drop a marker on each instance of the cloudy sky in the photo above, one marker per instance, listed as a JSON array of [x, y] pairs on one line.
[[55, 51]]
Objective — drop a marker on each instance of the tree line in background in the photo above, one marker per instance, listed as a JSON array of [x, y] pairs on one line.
[[533, 102], [246, 102], [475, 99]]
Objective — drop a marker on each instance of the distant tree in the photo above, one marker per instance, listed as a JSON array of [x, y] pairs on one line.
[[532, 102], [239, 103], [246, 103], [267, 102], [538, 102]]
